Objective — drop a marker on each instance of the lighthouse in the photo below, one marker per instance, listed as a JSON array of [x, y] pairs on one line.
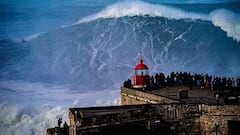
[[141, 74]]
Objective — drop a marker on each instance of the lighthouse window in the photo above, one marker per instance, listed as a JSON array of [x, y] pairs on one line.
[[142, 72]]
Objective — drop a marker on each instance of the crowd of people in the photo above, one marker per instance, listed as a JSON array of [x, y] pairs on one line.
[[203, 81]]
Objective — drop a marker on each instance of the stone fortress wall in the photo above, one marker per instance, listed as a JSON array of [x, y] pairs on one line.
[[205, 119], [130, 96], [217, 118]]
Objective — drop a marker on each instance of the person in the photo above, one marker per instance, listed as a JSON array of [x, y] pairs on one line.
[[65, 128], [23, 40], [59, 122], [65, 124], [207, 84], [217, 98], [129, 83]]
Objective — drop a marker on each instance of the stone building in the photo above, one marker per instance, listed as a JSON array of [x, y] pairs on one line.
[[200, 105], [154, 107], [158, 111]]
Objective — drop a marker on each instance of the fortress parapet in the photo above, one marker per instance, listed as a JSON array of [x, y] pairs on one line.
[[174, 118]]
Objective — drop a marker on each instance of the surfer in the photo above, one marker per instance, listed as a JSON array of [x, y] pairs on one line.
[[23, 40]]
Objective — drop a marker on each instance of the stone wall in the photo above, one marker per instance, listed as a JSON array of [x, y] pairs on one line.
[[210, 120], [130, 96], [214, 119], [184, 118]]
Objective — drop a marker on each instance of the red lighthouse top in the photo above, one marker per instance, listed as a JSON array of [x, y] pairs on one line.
[[141, 74], [141, 65]]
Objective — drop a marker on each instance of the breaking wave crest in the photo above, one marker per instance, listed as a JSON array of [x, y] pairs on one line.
[[85, 64], [139, 8], [15, 120], [30, 108], [227, 20]]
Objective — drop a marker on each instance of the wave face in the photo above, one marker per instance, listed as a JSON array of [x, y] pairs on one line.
[[102, 53], [84, 64], [228, 21]]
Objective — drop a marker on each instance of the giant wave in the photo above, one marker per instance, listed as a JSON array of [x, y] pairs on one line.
[[95, 52], [88, 61], [227, 20]]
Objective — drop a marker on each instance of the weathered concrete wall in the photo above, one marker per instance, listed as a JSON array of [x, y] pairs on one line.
[[130, 96], [215, 118], [211, 119]]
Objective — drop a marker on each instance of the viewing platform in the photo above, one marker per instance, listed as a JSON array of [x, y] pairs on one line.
[[179, 87], [173, 94]]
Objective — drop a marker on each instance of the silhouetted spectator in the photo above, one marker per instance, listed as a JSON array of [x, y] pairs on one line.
[[217, 98], [65, 124], [157, 80], [152, 81], [66, 128], [59, 122]]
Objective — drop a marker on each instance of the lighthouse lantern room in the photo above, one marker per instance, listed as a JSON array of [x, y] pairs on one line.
[[141, 74]]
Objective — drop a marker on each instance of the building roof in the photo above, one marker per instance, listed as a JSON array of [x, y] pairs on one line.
[[141, 65]]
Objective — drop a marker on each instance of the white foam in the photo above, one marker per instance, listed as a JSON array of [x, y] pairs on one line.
[[30, 108], [15, 120], [28, 38], [138, 8], [227, 20], [31, 37]]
